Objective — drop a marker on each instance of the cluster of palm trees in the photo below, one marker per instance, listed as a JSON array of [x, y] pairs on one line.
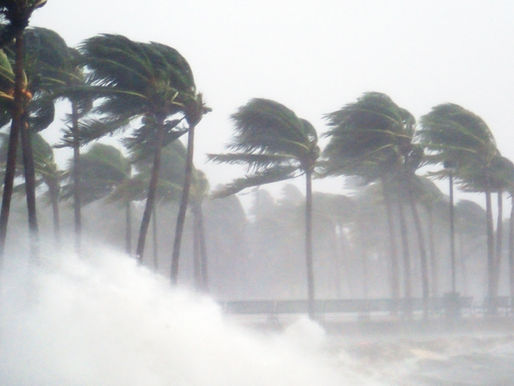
[[146, 92], [376, 140], [113, 84]]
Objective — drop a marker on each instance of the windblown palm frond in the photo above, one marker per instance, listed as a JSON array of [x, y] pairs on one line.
[[367, 137], [266, 176], [272, 142]]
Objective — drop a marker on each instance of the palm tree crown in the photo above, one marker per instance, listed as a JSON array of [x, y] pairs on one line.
[[272, 142]]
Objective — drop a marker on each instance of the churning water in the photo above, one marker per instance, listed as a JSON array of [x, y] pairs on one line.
[[104, 320]]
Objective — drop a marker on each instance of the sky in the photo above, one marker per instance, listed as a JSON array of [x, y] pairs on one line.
[[315, 57]]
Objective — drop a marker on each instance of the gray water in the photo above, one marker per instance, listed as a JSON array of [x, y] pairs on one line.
[[104, 320]]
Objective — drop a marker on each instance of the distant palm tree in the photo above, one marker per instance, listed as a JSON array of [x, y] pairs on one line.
[[432, 200], [457, 136], [275, 145], [140, 83], [104, 169]]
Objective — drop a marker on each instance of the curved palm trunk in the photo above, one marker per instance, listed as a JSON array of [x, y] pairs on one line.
[[490, 252], [77, 217], [393, 251], [181, 217], [499, 244], [155, 239], [308, 243], [422, 253], [30, 187], [150, 200], [16, 126], [511, 249], [406, 259], [128, 228]]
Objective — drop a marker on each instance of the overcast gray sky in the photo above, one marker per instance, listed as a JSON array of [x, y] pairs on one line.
[[316, 56]]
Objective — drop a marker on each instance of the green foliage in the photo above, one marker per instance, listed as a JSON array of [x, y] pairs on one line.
[[368, 137], [272, 142], [15, 15]]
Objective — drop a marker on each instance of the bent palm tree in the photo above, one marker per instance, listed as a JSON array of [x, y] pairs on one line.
[[453, 134], [133, 81], [367, 140], [275, 145]]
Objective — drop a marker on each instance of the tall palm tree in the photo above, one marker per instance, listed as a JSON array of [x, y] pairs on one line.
[[17, 14], [455, 135], [275, 145], [193, 114], [367, 139], [140, 83], [70, 76]]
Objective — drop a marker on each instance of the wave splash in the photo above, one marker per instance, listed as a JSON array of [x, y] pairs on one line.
[[105, 320]]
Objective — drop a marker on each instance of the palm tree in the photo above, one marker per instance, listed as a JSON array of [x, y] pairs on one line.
[[455, 135], [140, 83], [367, 139], [431, 199], [194, 112], [275, 145], [17, 14], [104, 169], [199, 191], [69, 75]]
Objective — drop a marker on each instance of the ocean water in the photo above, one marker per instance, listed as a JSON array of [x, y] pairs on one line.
[[104, 320]]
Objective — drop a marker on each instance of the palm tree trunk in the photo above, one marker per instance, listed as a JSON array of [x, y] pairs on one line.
[[490, 252], [203, 252], [150, 199], [406, 258], [155, 239], [10, 171], [499, 244], [336, 253], [77, 217], [128, 228], [422, 253], [16, 126], [308, 243], [511, 249], [53, 190], [393, 254], [181, 217], [30, 187], [452, 234], [196, 248], [433, 258]]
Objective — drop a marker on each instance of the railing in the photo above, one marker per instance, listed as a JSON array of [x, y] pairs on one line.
[[325, 306]]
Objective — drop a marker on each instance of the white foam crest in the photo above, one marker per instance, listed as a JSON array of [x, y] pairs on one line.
[[104, 320]]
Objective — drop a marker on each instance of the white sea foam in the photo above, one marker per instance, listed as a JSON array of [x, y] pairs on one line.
[[104, 320]]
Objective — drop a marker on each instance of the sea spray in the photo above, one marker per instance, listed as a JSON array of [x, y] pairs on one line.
[[104, 320]]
